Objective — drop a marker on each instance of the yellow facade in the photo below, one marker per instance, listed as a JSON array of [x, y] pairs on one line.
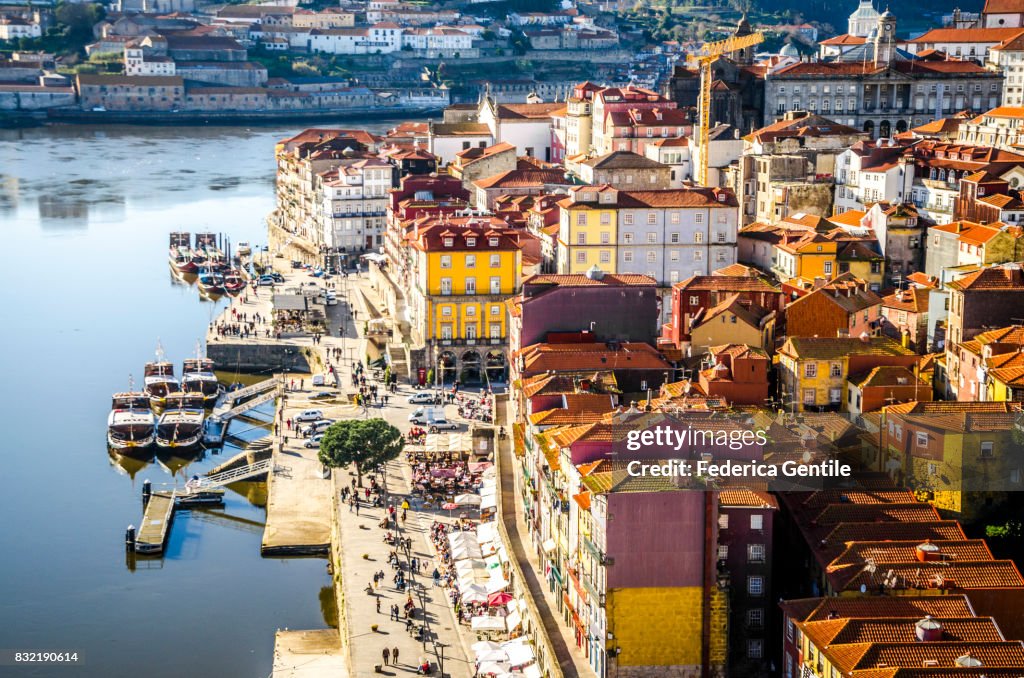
[[862, 269], [658, 626], [817, 259], [466, 292], [587, 237], [820, 380]]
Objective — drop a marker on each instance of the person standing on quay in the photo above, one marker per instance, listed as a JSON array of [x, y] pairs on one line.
[[386, 654], [394, 656]]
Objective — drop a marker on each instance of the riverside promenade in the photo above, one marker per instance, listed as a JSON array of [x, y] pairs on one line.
[[361, 534]]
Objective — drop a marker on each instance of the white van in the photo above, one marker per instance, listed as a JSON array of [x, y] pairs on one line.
[[319, 379]]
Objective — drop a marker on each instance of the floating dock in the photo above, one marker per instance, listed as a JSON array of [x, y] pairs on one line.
[[161, 505], [156, 523]]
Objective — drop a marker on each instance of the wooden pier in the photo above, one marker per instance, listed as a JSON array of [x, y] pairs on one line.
[[161, 505], [156, 523]]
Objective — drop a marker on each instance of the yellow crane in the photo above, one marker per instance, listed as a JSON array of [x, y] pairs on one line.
[[708, 54]]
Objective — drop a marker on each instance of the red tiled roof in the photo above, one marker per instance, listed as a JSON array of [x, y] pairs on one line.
[[524, 178], [965, 35], [815, 609], [993, 278], [581, 280], [569, 357]]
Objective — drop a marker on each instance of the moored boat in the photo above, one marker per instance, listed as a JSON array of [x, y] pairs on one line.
[[159, 379], [180, 254], [181, 426], [130, 424], [197, 377], [233, 281], [211, 282]]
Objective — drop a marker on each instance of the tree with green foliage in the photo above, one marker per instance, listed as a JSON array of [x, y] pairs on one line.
[[367, 443]]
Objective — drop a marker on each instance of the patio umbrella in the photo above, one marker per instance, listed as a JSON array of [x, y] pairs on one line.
[[449, 507], [499, 599], [492, 669], [482, 646], [498, 655], [474, 593], [468, 500]]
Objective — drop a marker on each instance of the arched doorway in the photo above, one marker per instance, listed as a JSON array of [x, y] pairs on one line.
[[901, 126], [494, 366], [445, 369], [470, 373], [884, 129], [869, 127]]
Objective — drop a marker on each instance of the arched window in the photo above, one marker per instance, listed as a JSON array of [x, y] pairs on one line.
[[942, 175]]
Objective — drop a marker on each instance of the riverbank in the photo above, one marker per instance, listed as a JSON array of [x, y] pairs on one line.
[[16, 119]]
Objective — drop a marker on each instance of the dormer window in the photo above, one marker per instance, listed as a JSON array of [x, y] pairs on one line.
[[449, 242], [493, 242], [470, 242]]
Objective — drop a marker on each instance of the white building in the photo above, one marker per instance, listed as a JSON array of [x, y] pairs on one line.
[[676, 154], [441, 41], [525, 126], [353, 200], [867, 172], [962, 43], [16, 28], [1008, 56], [136, 62], [1003, 14], [999, 128], [385, 38]]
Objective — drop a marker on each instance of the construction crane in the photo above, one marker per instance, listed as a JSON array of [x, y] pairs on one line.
[[708, 54]]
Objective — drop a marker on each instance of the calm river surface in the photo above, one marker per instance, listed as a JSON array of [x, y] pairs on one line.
[[84, 218]]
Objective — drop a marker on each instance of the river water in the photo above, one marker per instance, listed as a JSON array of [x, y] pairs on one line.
[[87, 293]]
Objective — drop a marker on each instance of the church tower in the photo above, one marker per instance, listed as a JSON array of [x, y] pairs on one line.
[[885, 39]]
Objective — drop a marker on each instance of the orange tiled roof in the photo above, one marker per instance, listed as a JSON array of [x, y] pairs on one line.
[[834, 514], [847, 658], [814, 609], [992, 278], [868, 531], [845, 631]]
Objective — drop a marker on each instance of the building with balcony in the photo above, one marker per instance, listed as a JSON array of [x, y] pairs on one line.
[[354, 200], [463, 274]]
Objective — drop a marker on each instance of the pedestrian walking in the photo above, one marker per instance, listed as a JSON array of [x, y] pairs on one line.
[[437, 577], [378, 606], [386, 654], [394, 656]]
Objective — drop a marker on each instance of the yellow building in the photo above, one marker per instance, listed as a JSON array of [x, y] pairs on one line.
[[463, 276], [1006, 384], [811, 256], [962, 455], [587, 230], [813, 371]]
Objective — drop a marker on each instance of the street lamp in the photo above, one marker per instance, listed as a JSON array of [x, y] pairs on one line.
[[440, 656]]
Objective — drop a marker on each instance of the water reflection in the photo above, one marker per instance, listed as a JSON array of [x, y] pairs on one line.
[[96, 205]]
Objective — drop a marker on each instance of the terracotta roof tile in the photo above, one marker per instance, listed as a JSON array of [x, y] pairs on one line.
[[814, 609]]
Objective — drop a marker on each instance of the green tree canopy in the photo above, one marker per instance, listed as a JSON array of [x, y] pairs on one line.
[[367, 443]]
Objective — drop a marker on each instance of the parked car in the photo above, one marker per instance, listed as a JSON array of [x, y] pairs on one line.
[[423, 397], [265, 280], [318, 426], [278, 278], [315, 440], [441, 424], [309, 415], [322, 395]]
